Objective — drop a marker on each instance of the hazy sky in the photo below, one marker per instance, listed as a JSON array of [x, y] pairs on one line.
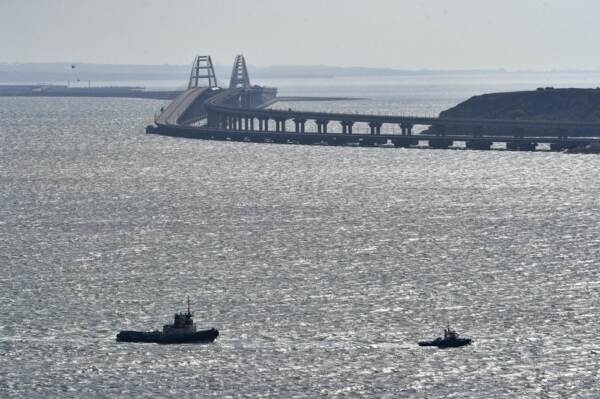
[[449, 34]]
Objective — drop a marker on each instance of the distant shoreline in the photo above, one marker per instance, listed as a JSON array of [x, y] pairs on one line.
[[64, 72]]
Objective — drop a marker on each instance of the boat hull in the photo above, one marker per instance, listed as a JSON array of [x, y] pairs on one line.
[[198, 337], [444, 344]]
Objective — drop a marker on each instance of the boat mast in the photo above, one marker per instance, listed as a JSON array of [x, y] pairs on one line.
[[188, 300]]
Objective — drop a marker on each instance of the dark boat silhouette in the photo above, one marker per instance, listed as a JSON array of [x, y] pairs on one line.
[[182, 331], [450, 340]]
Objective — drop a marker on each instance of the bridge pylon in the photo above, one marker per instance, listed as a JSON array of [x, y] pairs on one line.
[[239, 74], [202, 68]]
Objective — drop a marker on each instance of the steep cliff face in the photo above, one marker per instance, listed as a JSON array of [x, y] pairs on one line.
[[549, 104]]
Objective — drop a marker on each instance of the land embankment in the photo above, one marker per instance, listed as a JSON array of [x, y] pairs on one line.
[[580, 105]]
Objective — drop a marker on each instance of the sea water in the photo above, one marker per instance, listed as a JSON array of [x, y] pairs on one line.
[[321, 266]]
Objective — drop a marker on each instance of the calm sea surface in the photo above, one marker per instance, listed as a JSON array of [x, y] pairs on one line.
[[321, 266]]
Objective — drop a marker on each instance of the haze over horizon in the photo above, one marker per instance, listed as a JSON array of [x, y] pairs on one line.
[[466, 34]]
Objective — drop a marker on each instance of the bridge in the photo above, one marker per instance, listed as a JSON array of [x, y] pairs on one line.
[[240, 113]]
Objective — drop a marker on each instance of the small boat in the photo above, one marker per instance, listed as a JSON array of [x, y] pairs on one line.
[[182, 331], [450, 340]]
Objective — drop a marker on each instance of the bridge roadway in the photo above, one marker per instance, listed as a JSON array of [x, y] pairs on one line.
[[173, 114], [226, 119], [215, 106]]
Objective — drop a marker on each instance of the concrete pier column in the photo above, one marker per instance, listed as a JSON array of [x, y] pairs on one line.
[[375, 128], [322, 125], [372, 127], [299, 122], [521, 145], [265, 124], [283, 125], [347, 127], [478, 144], [440, 143], [251, 123]]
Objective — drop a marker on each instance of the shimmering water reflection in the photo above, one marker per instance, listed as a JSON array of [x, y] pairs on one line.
[[320, 266]]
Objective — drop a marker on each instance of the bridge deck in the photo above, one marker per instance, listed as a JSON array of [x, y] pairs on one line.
[[227, 116], [175, 110]]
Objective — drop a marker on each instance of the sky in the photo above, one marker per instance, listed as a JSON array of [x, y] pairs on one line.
[[400, 34]]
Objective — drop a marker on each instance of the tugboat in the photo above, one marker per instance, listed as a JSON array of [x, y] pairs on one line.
[[182, 331], [450, 340]]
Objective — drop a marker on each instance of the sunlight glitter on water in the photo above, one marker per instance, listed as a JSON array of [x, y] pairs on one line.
[[322, 267]]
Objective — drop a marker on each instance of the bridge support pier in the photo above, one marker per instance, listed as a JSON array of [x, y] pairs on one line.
[[404, 143], [280, 125], [299, 125], [521, 145], [322, 125], [439, 144], [263, 124], [478, 145], [347, 127], [375, 128], [406, 129]]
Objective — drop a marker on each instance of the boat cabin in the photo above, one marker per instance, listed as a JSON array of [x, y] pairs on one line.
[[182, 323]]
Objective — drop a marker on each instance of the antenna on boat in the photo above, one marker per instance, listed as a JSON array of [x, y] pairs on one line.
[[188, 300]]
